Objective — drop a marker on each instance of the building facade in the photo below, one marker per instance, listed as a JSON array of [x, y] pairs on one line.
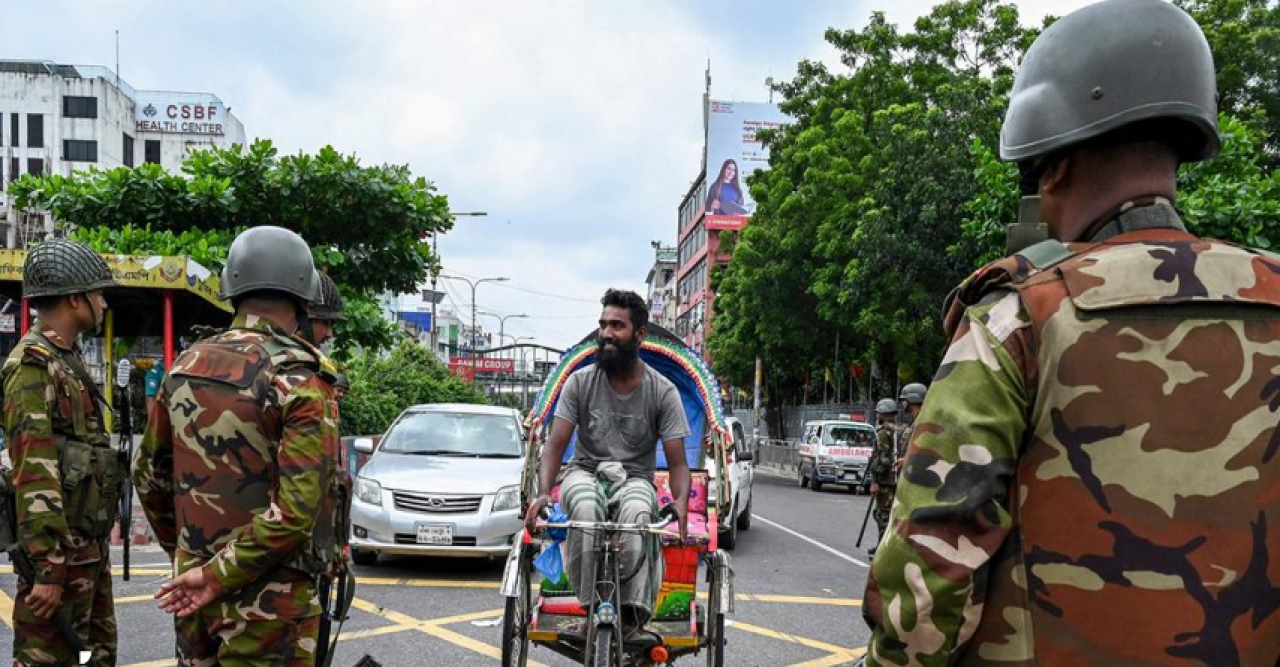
[[661, 283], [61, 119], [697, 253]]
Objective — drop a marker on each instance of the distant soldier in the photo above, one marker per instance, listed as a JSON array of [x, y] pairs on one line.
[[237, 466], [912, 397], [67, 478], [1093, 477], [880, 467], [319, 330]]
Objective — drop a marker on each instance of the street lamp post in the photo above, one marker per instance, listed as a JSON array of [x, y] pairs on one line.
[[474, 284], [435, 250]]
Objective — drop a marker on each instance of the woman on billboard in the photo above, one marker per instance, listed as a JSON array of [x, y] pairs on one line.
[[725, 195]]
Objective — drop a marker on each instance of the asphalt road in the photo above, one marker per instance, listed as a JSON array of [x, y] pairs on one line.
[[799, 583]]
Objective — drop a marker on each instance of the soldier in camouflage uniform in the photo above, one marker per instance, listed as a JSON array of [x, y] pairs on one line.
[[912, 399], [67, 479], [1093, 479], [236, 467], [880, 467]]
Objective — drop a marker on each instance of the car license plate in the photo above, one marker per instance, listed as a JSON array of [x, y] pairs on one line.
[[437, 534]]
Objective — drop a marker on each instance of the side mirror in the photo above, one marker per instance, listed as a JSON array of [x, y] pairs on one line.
[[364, 445], [746, 456]]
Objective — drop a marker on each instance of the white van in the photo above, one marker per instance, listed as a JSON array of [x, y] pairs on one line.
[[834, 451]]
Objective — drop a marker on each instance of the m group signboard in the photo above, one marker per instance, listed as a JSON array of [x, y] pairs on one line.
[[734, 152], [179, 113], [467, 367]]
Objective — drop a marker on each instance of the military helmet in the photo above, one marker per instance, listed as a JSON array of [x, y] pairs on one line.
[[59, 267], [329, 307], [270, 258], [914, 393], [886, 406], [1108, 65], [342, 382]]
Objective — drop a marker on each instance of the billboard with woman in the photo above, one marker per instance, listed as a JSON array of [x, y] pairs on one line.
[[733, 153]]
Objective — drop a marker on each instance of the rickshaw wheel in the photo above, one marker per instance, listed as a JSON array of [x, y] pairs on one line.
[[713, 626], [517, 616]]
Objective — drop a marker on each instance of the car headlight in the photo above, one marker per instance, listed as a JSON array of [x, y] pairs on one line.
[[713, 491], [368, 491], [507, 498]]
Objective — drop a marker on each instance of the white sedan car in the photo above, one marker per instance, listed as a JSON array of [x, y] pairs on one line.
[[444, 481]]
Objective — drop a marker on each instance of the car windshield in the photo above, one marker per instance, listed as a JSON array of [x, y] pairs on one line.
[[850, 436], [455, 434]]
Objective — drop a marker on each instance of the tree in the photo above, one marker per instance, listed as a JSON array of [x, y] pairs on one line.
[[365, 224], [382, 387], [1244, 36], [846, 250]]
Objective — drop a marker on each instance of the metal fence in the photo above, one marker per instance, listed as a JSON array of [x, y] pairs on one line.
[[779, 454]]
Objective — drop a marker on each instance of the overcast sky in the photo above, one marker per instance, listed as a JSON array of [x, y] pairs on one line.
[[575, 124]]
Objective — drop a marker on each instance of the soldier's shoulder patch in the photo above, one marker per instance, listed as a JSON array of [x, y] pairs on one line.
[[37, 355]]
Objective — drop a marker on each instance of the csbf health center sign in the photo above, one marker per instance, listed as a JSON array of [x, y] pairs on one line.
[[180, 113], [734, 152]]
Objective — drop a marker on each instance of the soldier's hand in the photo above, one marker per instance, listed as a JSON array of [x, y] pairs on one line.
[[44, 600], [875, 488], [187, 593], [897, 465]]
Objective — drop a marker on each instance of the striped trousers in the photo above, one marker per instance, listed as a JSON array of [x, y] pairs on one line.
[[586, 497]]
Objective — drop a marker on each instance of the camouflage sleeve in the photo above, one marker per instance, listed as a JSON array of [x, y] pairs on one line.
[[305, 465], [881, 458], [153, 474], [29, 402], [950, 513]]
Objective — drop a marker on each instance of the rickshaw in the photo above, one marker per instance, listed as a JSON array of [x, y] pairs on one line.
[[689, 619]]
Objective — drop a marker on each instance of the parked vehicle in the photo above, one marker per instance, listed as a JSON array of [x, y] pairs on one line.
[[835, 452], [740, 467], [444, 481]]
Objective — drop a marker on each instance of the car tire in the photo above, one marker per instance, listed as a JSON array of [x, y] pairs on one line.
[[365, 558], [744, 518], [729, 538], [815, 485]]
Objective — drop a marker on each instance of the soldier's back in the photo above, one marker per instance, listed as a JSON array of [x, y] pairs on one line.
[[225, 397], [1146, 499]]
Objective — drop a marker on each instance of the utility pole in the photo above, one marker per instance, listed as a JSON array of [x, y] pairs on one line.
[[475, 339], [435, 273]]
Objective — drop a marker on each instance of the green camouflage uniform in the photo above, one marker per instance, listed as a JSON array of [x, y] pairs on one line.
[[54, 431], [880, 469], [1093, 479], [235, 474]]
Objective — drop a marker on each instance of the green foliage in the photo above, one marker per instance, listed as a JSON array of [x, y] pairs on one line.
[[1233, 197], [365, 224], [864, 196], [382, 387], [207, 248], [887, 190], [1244, 36]]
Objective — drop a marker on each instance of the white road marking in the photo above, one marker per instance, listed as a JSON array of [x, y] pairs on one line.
[[831, 550]]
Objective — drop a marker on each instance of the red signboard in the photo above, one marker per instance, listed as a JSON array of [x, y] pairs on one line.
[[484, 364], [463, 371], [726, 222]]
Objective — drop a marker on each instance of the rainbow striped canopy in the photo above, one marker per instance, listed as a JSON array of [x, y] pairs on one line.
[[662, 351]]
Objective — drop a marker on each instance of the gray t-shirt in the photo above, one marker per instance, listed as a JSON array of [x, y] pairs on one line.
[[613, 427]]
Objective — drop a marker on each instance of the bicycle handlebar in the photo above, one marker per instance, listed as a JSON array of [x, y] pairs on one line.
[[666, 516]]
